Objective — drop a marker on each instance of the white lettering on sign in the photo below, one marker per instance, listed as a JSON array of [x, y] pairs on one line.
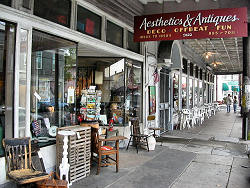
[[189, 21]]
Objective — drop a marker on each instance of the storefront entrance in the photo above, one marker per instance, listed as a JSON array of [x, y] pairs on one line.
[[165, 106]]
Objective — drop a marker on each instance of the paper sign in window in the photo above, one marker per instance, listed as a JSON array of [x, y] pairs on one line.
[[90, 26]]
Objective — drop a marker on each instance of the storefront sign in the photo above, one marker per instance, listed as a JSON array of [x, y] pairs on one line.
[[218, 23]]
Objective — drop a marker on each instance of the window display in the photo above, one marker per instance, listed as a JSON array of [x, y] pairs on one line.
[[52, 101], [176, 92], [190, 93], [184, 92], [133, 85], [118, 82]]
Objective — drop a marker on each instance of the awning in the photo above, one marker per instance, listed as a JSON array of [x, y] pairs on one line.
[[236, 88], [225, 87]]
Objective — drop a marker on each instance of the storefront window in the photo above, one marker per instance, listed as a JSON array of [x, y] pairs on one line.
[[88, 22], [196, 98], [133, 101], [109, 76], [184, 91], [133, 46], [176, 91], [190, 93], [6, 2], [7, 41], [57, 11], [52, 102], [201, 91], [114, 34]]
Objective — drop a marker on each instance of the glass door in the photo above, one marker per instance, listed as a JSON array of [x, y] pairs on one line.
[[164, 100]]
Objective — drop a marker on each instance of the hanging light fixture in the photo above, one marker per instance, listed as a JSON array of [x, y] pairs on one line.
[[208, 54]]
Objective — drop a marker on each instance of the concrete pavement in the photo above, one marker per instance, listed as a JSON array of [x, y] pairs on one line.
[[210, 155]]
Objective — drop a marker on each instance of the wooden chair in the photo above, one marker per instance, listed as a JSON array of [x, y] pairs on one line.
[[103, 152], [136, 137], [18, 158]]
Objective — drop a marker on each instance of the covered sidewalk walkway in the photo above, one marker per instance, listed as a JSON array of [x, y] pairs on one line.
[[220, 127]]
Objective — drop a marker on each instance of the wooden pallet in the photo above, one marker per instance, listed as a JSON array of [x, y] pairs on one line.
[[79, 152]]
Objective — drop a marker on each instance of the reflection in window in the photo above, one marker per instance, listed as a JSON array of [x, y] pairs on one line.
[[114, 34], [23, 83], [51, 90], [190, 93], [57, 11], [88, 22], [7, 49], [176, 91], [184, 91], [39, 60]]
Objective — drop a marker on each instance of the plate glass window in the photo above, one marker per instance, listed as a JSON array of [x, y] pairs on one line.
[[88, 22], [114, 34], [7, 41], [57, 11], [53, 81]]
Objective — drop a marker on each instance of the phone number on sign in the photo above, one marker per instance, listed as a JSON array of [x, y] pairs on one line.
[[221, 32]]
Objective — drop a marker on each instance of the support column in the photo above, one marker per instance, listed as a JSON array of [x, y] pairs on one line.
[[246, 86]]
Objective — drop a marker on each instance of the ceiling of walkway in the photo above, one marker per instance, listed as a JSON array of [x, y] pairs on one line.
[[227, 51]]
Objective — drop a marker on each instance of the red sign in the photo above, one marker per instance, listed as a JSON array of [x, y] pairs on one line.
[[218, 23]]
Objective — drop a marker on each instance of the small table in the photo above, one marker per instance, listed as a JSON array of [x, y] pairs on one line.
[[155, 129]]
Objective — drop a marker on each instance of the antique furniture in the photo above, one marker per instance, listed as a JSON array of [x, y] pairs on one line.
[[64, 166], [19, 164], [104, 153], [78, 151], [136, 137]]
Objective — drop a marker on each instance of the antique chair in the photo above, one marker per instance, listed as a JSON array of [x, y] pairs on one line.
[[19, 164], [105, 155], [136, 137]]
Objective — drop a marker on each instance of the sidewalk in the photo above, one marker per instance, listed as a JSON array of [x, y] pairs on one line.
[[208, 156], [158, 168], [221, 127]]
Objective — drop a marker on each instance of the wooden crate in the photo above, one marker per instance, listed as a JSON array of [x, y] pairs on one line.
[[79, 152]]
